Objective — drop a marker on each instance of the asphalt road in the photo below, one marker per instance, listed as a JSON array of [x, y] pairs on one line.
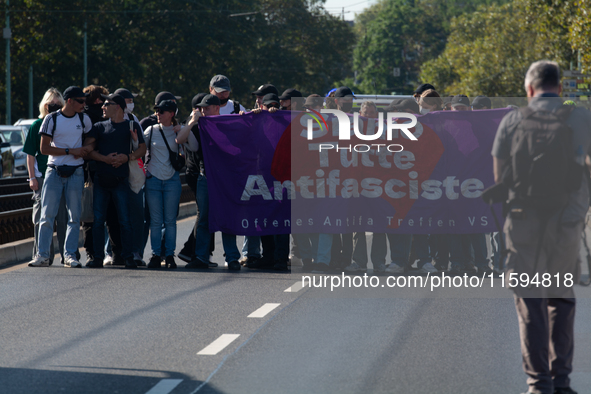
[[119, 331]]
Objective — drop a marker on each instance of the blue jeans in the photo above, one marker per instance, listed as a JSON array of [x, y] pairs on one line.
[[163, 198], [61, 221], [101, 197], [202, 235], [53, 189], [252, 246]]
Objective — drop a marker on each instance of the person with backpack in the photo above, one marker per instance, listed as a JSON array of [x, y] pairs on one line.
[[62, 133], [220, 86], [539, 155], [163, 182], [52, 101]]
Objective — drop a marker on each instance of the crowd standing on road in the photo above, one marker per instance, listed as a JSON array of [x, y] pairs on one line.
[[87, 142]]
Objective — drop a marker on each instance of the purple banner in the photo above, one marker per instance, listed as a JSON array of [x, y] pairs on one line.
[[266, 176]]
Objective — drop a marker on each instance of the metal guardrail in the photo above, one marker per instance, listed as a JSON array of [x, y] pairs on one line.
[[16, 225], [16, 210]]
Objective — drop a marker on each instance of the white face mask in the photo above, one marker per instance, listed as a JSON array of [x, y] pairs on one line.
[[129, 108], [424, 111]]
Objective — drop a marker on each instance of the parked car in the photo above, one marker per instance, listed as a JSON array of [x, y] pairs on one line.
[[6, 158], [15, 136]]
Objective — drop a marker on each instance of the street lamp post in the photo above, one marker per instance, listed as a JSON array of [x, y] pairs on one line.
[[6, 33]]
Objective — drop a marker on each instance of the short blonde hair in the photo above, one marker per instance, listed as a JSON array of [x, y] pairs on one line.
[[48, 97]]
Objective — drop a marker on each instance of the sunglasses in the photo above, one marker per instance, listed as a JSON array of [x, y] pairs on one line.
[[108, 104], [79, 101], [161, 111]]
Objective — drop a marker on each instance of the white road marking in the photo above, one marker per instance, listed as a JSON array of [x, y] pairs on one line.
[[294, 288], [263, 310], [165, 386], [219, 344]]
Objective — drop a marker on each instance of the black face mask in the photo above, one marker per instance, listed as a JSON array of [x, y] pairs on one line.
[[53, 107], [346, 107], [283, 108], [224, 101]]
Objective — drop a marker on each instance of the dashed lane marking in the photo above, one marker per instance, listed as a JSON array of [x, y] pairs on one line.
[[218, 345], [263, 310], [294, 288]]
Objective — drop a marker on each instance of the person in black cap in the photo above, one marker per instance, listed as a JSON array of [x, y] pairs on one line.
[[163, 183], [220, 86], [262, 91], [112, 141], [460, 102], [285, 100], [481, 102], [136, 200], [187, 253], [129, 97], [269, 103], [210, 106], [344, 99], [422, 88], [153, 119], [62, 133]]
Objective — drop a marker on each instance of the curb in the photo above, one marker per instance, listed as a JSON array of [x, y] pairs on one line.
[[20, 251]]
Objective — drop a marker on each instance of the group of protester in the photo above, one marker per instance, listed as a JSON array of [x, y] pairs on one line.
[[88, 136]]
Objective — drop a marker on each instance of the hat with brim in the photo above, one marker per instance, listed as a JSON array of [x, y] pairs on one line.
[[74, 92], [126, 94], [270, 99], [289, 93], [343, 91], [220, 83], [166, 105], [265, 89], [210, 99], [116, 98], [460, 100]]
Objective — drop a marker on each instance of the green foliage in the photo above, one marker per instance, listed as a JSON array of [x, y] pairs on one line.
[[402, 34], [148, 46]]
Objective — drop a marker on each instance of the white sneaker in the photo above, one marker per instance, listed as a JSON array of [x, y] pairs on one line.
[[39, 261], [380, 268], [353, 267], [108, 260], [394, 268], [71, 262], [428, 267]]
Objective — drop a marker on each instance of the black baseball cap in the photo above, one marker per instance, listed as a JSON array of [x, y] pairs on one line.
[[126, 94], [197, 99], [166, 105], [289, 93], [164, 96], [116, 98], [481, 102], [74, 92], [266, 89], [210, 99], [459, 100], [343, 91], [220, 83], [270, 99], [423, 87]]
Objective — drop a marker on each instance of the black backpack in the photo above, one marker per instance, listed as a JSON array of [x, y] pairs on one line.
[[54, 118], [543, 170]]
